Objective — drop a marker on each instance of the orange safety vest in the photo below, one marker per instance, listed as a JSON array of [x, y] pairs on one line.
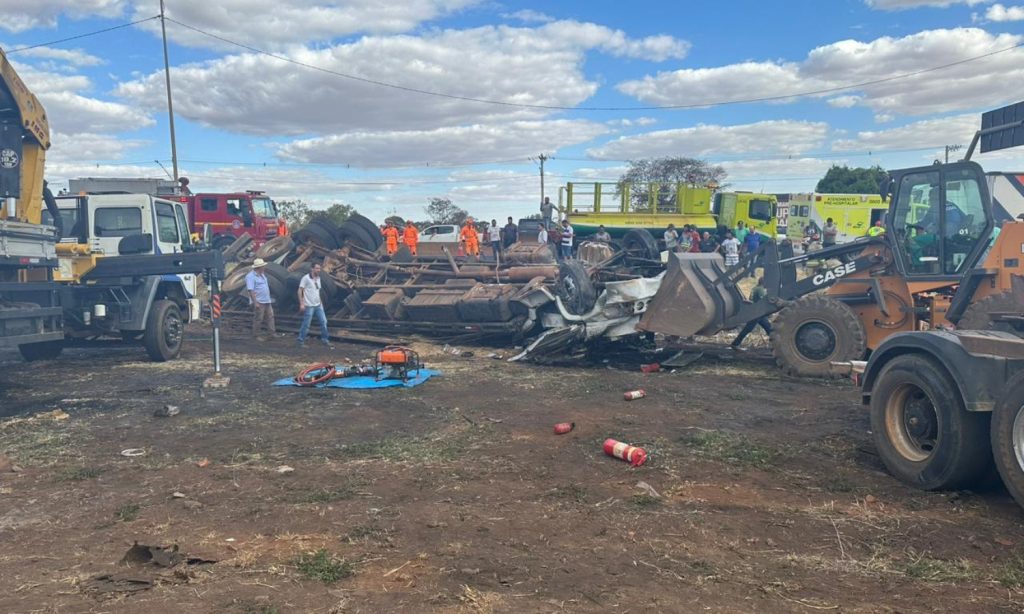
[[468, 235], [391, 239], [411, 237]]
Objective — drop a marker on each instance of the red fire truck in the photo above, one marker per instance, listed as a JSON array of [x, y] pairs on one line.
[[230, 215]]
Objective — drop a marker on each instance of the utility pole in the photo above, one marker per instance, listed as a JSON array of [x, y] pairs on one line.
[[950, 148], [170, 105], [543, 159]]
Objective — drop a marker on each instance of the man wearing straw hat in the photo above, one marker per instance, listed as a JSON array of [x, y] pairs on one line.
[[259, 293]]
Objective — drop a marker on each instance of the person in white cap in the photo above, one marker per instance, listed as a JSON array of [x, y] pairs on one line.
[[262, 303]]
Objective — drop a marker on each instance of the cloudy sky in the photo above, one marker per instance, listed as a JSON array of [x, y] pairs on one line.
[[384, 105]]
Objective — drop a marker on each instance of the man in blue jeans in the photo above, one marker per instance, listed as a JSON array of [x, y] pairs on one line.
[[310, 304]]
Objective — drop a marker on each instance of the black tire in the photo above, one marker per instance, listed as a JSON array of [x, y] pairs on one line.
[[165, 331], [1007, 438], [234, 282], [922, 432], [814, 331], [236, 247], [639, 243], [575, 287], [44, 350], [978, 315], [277, 279], [350, 232], [372, 230], [275, 248]]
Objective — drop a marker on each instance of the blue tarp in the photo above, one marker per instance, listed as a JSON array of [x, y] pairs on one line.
[[363, 382]]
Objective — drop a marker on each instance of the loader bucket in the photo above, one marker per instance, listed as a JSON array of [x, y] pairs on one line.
[[692, 299]]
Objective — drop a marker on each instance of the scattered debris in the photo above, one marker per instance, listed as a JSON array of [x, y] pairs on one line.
[[564, 427], [870, 499], [648, 489], [191, 504], [178, 495], [116, 583], [682, 359], [633, 395], [650, 368], [161, 556], [203, 463], [631, 454], [437, 524], [167, 411], [133, 452], [57, 414], [284, 469]]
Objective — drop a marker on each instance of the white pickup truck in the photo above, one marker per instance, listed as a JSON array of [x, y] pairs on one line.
[[444, 233]]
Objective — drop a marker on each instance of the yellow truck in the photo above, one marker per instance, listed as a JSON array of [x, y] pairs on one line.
[[854, 214], [615, 207]]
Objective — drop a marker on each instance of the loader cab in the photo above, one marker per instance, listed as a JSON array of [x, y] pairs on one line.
[[940, 220]]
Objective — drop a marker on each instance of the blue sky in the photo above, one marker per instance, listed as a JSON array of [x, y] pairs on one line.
[[246, 120]]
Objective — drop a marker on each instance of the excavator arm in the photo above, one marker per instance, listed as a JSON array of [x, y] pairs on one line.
[[24, 139]]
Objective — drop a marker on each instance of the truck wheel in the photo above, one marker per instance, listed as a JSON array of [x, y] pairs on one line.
[[319, 231], [639, 243], [275, 248], [922, 432], [355, 233], [45, 350], [223, 242], [235, 280], [164, 331], [575, 287], [814, 331], [1007, 438], [277, 280], [978, 315], [372, 230]]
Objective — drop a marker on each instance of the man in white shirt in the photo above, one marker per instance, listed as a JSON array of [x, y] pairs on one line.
[[602, 235], [671, 238], [565, 248], [542, 236], [310, 304], [494, 236], [731, 249]]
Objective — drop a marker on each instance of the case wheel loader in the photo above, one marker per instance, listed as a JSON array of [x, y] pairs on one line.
[[939, 265]]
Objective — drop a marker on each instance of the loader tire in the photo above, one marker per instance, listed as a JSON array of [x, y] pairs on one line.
[[1007, 437], [639, 243], [978, 315], [165, 331], [575, 287], [922, 432], [372, 230], [814, 331]]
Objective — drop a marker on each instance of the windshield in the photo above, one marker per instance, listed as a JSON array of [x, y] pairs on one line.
[[262, 207]]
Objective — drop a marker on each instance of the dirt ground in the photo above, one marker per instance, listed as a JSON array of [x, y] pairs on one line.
[[455, 496]]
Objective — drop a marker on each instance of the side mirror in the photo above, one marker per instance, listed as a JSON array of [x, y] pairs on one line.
[[207, 234], [885, 187], [135, 244]]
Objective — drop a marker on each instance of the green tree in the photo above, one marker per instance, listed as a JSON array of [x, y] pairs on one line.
[[295, 212], [846, 180], [668, 172], [395, 219], [337, 213], [443, 211]]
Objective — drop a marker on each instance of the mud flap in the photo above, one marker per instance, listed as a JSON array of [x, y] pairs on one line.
[[690, 300]]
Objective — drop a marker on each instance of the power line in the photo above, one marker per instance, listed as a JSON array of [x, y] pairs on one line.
[[810, 154], [522, 105], [87, 34]]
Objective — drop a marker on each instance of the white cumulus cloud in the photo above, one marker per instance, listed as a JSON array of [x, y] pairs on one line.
[[998, 12]]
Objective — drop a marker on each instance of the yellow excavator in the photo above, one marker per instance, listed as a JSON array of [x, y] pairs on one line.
[[125, 268]]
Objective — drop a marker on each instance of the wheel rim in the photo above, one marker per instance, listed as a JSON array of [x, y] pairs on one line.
[[912, 424], [1018, 437], [172, 329], [572, 293], [815, 341]]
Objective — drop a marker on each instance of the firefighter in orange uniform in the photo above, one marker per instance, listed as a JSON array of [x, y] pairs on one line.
[[391, 238], [469, 238], [411, 236]]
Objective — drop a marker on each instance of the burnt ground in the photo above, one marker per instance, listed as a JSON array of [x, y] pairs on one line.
[[455, 496]]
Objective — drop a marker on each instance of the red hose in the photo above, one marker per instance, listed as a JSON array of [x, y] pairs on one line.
[[316, 374]]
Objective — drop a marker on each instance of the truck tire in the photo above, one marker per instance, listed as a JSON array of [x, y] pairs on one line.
[[165, 330], [350, 232], [372, 230], [922, 432], [275, 248], [1007, 437], [639, 243], [234, 282], [45, 350], [319, 231], [575, 287], [223, 242], [978, 315], [277, 280], [236, 247], [814, 331]]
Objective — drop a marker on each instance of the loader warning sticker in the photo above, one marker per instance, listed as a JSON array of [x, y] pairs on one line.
[[8, 158]]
